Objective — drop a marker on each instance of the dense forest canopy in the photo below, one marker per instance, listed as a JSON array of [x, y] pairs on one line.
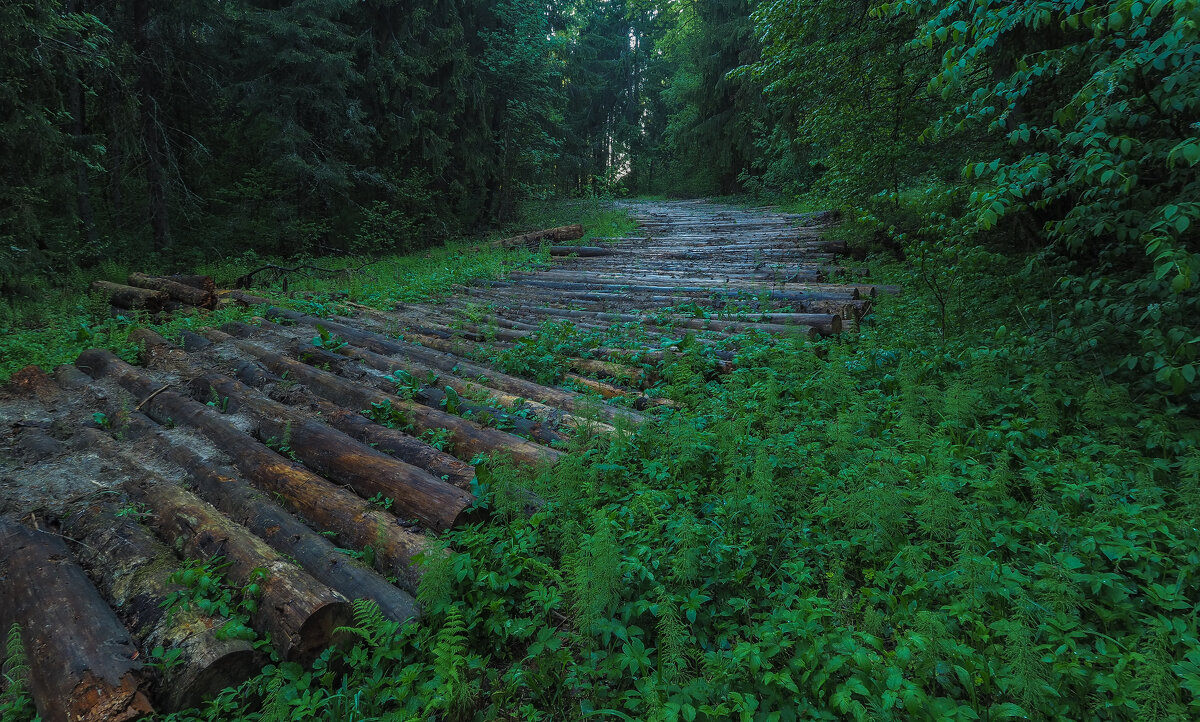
[[949, 129]]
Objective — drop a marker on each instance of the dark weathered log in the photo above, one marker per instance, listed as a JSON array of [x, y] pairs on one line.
[[34, 443], [414, 492], [825, 324], [581, 251], [194, 341], [204, 283], [81, 660], [70, 378], [298, 612], [131, 297], [468, 438], [358, 523], [181, 292], [133, 571], [713, 290], [285, 533], [532, 239]]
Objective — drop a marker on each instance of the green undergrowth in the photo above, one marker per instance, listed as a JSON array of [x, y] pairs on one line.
[[70, 319], [899, 525]]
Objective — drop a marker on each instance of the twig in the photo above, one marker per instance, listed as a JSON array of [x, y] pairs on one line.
[[151, 396], [244, 281]]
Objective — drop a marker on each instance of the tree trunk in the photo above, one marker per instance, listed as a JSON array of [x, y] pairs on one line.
[[152, 137], [81, 660], [133, 570], [357, 522], [83, 195]]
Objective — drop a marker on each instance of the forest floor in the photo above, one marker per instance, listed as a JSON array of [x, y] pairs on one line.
[[694, 471]]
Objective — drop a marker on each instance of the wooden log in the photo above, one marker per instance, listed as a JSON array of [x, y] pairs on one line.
[[560, 398], [358, 523], [415, 493], [34, 443], [609, 369], [204, 283], [193, 341], [70, 378], [132, 570], [468, 438], [533, 238], [81, 660], [581, 251], [181, 292], [398, 444], [298, 612], [431, 394], [131, 297], [716, 289], [390, 364], [612, 391], [232, 495], [825, 324]]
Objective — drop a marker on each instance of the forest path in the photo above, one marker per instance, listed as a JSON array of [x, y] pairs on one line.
[[367, 427]]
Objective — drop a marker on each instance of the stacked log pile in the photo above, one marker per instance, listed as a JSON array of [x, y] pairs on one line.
[[318, 472], [699, 268], [155, 294]]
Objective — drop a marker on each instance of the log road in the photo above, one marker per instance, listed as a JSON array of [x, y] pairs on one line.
[[312, 474]]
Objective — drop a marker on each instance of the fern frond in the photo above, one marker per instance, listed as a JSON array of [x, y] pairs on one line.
[[369, 623], [274, 706], [15, 667], [450, 662]]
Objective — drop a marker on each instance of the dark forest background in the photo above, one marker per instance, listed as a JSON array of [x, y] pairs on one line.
[[1066, 133]]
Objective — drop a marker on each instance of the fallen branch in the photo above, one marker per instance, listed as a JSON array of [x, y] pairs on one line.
[[245, 281]]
